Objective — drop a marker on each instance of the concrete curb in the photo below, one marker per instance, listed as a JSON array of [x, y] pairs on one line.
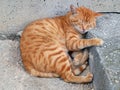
[[100, 81], [105, 60]]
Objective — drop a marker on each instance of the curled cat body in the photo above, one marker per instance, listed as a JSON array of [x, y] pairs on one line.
[[45, 44]]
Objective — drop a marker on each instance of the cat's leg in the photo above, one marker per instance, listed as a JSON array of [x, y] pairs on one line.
[[80, 57], [80, 69], [73, 42], [83, 43], [65, 70], [70, 77], [80, 61]]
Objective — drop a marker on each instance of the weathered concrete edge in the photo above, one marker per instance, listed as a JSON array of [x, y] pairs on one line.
[[101, 81]]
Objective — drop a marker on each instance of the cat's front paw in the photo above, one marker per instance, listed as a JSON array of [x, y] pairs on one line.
[[98, 42], [89, 77]]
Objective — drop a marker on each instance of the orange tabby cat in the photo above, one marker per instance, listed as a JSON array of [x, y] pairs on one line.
[[45, 44]]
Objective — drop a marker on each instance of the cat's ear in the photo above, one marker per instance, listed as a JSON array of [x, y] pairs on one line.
[[73, 9], [97, 14]]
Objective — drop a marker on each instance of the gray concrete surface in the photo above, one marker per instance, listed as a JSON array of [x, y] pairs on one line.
[[105, 60], [15, 14], [14, 77]]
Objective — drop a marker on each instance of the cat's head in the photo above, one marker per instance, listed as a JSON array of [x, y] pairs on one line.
[[83, 19]]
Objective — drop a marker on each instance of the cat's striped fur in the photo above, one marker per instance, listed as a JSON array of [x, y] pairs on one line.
[[45, 44]]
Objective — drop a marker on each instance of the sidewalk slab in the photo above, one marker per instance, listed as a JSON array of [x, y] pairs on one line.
[[16, 14]]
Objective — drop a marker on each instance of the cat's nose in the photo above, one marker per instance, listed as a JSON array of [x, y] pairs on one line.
[[83, 30]]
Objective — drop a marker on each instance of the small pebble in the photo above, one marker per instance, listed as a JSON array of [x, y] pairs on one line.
[[116, 81]]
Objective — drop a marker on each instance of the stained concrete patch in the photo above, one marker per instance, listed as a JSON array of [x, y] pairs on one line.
[[14, 77], [105, 60]]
